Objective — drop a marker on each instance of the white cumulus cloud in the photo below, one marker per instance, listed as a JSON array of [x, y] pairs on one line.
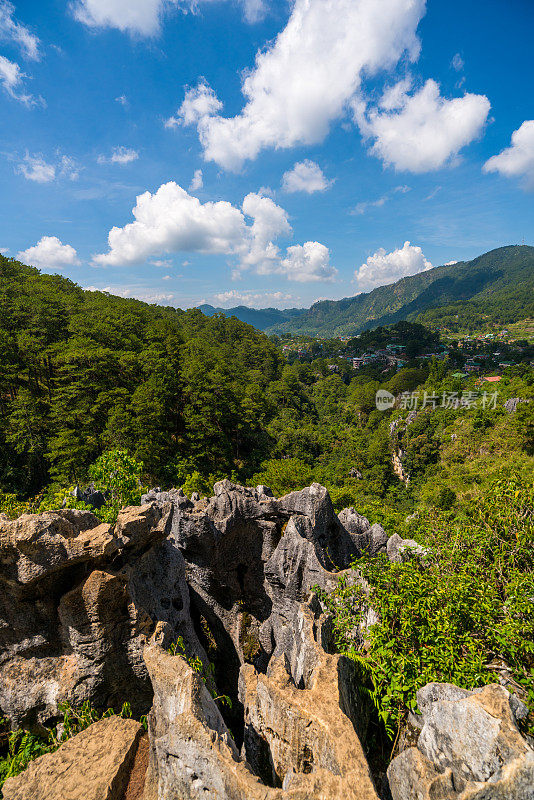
[[424, 131], [35, 168], [308, 262], [11, 30], [171, 220], [199, 102], [306, 176], [49, 253], [119, 155], [382, 268], [305, 79], [144, 17], [197, 181], [516, 161], [251, 298]]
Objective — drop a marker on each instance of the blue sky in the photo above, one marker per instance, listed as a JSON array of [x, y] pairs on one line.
[[239, 151]]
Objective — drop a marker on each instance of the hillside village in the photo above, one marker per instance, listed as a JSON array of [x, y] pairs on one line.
[[471, 354]]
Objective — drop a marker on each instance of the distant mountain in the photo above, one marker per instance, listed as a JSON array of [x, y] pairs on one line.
[[498, 285], [259, 318], [501, 281]]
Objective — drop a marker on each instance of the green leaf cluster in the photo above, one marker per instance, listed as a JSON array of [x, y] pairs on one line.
[[462, 615]]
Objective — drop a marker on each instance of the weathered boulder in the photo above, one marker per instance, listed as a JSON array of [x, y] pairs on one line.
[[36, 546], [469, 747], [297, 739], [400, 550], [77, 601], [93, 765]]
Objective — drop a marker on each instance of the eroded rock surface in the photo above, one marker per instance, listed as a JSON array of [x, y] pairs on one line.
[[94, 765], [469, 748], [298, 742], [88, 611], [78, 599]]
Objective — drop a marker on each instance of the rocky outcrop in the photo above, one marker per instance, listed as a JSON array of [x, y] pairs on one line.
[[400, 550], [299, 741], [88, 611], [469, 748], [94, 765], [77, 601]]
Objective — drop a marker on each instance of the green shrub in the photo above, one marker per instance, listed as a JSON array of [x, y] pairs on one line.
[[453, 616]]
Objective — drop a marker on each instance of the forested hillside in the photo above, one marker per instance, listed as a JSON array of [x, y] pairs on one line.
[[192, 399], [83, 372], [95, 388], [499, 282]]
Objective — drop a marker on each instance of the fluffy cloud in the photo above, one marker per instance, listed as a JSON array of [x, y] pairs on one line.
[[199, 103], [306, 176], [197, 182], [139, 16], [11, 30], [35, 168], [49, 253], [308, 262], [171, 220], [250, 298], [294, 92], [143, 17], [516, 161], [424, 131], [383, 268], [119, 155], [12, 81]]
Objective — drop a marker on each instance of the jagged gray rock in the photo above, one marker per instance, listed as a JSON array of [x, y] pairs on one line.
[[469, 747], [400, 550], [309, 742], [78, 599]]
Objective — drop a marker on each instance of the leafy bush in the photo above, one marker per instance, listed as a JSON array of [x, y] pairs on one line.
[[458, 617], [118, 474], [12, 506]]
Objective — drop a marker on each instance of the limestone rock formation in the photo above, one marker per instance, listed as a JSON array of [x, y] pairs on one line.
[[297, 740], [469, 748], [94, 765], [77, 601], [89, 611], [399, 549]]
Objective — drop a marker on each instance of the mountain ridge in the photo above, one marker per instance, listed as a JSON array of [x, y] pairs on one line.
[[503, 277]]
